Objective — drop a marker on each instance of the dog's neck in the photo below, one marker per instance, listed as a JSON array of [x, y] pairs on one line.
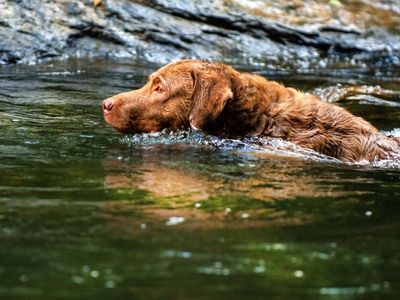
[[257, 100]]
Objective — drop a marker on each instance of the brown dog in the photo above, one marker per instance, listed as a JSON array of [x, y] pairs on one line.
[[222, 101]]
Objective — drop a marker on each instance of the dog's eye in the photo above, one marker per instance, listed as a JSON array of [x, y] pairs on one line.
[[158, 89]]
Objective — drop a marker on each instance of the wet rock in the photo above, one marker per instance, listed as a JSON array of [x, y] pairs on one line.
[[279, 35]]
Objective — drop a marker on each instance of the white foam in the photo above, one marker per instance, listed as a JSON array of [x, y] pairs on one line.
[[273, 146]]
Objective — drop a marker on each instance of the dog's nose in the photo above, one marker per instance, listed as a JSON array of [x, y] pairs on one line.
[[107, 105]]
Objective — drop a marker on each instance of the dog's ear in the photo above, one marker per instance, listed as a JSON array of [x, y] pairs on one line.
[[210, 95]]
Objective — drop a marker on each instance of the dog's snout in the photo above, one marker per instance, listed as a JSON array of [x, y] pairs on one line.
[[108, 105]]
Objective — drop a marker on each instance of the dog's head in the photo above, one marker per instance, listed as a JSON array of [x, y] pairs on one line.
[[183, 94]]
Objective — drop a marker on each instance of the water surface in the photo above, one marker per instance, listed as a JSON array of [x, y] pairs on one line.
[[88, 213]]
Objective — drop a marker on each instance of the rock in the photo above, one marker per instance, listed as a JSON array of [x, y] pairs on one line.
[[280, 35]]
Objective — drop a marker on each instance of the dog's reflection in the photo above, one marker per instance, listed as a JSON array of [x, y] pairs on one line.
[[161, 181], [177, 190]]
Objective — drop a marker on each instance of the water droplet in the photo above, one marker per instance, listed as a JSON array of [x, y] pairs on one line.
[[362, 289], [259, 269], [279, 247], [95, 273], [226, 272], [85, 269], [77, 279], [186, 254], [174, 221], [368, 213], [109, 284], [31, 142], [298, 273], [365, 260]]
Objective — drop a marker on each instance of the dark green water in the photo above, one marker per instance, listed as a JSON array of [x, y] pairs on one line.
[[87, 213]]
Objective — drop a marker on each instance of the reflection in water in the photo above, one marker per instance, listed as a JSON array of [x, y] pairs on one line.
[[161, 181], [277, 220], [254, 187]]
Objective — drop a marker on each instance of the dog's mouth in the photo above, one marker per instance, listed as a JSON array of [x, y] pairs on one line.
[[108, 116], [130, 127], [106, 112]]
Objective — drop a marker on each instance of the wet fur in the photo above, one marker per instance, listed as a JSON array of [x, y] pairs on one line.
[[219, 100]]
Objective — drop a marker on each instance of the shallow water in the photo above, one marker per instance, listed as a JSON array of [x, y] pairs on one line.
[[87, 213]]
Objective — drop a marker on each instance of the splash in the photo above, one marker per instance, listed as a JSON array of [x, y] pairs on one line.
[[271, 146], [394, 160], [394, 132]]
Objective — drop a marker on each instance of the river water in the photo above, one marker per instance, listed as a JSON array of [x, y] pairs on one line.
[[88, 213]]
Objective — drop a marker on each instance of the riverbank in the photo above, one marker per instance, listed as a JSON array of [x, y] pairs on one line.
[[280, 35]]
